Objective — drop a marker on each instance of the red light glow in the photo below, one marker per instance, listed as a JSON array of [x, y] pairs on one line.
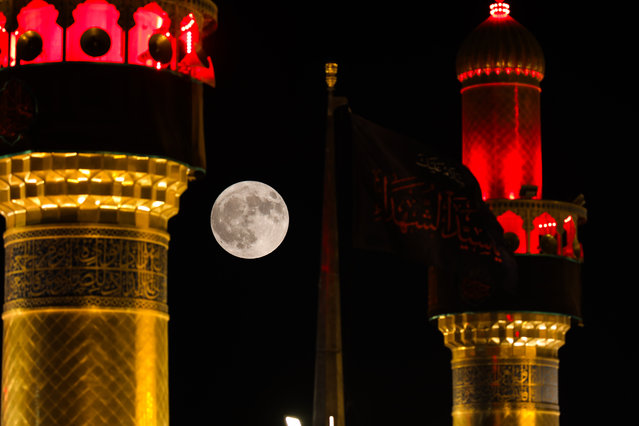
[[513, 223], [96, 36], [501, 138], [189, 34], [4, 42], [499, 10], [544, 224], [41, 17], [572, 247], [100, 14], [498, 70], [149, 20], [191, 63]]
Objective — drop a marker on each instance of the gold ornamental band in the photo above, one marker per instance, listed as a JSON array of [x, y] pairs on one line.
[[518, 383], [85, 265], [85, 338], [74, 187], [505, 367]]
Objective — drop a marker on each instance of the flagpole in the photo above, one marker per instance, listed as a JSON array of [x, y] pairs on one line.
[[328, 404]]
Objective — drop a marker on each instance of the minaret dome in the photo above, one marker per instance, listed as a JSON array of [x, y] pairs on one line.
[[500, 49]]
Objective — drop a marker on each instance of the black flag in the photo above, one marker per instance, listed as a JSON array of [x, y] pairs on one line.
[[410, 201]]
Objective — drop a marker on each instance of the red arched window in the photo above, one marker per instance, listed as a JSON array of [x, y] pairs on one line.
[[4, 42], [150, 40], [514, 224], [571, 248], [95, 34], [38, 37], [544, 226], [193, 61]]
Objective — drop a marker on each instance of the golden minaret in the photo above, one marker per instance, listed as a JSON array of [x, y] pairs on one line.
[[101, 131]]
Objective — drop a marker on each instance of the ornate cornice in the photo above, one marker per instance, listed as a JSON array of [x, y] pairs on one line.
[[107, 188], [504, 334], [505, 366]]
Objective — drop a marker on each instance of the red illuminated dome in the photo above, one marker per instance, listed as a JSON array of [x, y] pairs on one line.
[[500, 66], [500, 49]]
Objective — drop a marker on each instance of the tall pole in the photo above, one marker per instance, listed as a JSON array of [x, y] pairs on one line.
[[328, 404]]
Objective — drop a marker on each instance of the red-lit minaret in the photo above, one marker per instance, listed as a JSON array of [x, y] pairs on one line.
[[505, 339], [500, 67]]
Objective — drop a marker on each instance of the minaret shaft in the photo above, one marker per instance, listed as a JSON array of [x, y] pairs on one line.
[[85, 313]]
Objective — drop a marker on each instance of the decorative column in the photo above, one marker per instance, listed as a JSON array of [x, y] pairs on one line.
[[85, 313]]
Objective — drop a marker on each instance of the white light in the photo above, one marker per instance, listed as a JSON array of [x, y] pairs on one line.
[[292, 421], [189, 42], [331, 421], [249, 208]]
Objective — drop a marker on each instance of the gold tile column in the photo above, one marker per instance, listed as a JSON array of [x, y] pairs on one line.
[[85, 314], [505, 367]]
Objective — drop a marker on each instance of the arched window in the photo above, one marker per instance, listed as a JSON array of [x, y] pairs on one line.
[[150, 40], [193, 60], [514, 232], [544, 236], [571, 247], [95, 34], [4, 42], [38, 37]]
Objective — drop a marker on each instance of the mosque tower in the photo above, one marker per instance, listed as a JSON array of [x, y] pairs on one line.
[[505, 346], [101, 129]]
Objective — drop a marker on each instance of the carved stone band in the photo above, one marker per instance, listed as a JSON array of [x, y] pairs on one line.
[[85, 265], [484, 383]]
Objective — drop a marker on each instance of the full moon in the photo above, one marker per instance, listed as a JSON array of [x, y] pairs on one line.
[[249, 219]]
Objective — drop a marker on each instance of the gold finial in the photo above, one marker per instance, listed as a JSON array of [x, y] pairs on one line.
[[331, 74]]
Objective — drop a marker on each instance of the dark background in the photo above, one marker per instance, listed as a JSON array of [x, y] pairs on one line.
[[242, 332]]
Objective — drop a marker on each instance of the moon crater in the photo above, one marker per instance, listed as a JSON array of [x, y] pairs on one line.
[[249, 219]]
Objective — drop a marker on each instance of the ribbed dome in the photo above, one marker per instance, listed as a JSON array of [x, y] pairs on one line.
[[500, 49]]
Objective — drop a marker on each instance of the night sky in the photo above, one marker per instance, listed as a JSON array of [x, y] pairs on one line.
[[242, 332]]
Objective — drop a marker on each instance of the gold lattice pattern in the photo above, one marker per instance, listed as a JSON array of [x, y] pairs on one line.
[[85, 367], [501, 138], [121, 189]]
